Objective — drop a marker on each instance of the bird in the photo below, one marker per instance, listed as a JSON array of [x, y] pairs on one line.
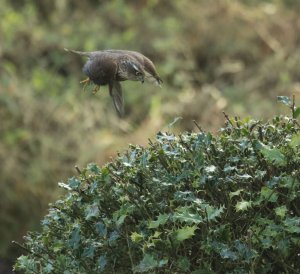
[[110, 67]]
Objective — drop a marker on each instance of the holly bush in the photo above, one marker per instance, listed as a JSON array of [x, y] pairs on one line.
[[192, 203]]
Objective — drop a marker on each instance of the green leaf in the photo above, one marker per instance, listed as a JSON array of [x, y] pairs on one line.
[[281, 211], [91, 211], [65, 186], [121, 219], [228, 254], [162, 262], [274, 156], [101, 229], [183, 263], [156, 234], [296, 113], [269, 194], [183, 215], [185, 233], [295, 141], [244, 251], [136, 237], [292, 224], [244, 176], [24, 263], [161, 220], [48, 268], [285, 100], [58, 246], [93, 168], [212, 212], [235, 193], [74, 183], [210, 169], [243, 205], [146, 264], [113, 237], [89, 252], [74, 241], [102, 262], [288, 181]]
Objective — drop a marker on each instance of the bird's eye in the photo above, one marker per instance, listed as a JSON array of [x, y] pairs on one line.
[[138, 73]]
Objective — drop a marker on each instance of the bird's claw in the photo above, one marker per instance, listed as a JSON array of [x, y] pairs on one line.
[[85, 83], [96, 88]]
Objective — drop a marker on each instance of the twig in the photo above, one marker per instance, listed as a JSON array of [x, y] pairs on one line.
[[228, 119], [200, 128], [22, 246], [260, 133], [293, 107], [78, 170], [129, 252], [237, 121], [207, 222]]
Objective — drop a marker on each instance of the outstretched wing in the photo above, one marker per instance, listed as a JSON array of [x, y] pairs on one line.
[[115, 91]]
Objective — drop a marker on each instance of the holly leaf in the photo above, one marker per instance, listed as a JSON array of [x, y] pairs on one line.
[[102, 262], [235, 193], [91, 211], [281, 211], [136, 237], [212, 212], [185, 216], [296, 112], [185, 233], [161, 220], [242, 205], [269, 194], [146, 264], [274, 156], [284, 100], [295, 141], [74, 183], [101, 229], [75, 238]]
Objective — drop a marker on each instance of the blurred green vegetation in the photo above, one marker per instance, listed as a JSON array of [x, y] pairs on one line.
[[218, 55]]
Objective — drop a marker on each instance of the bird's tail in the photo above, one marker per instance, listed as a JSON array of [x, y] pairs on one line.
[[82, 53]]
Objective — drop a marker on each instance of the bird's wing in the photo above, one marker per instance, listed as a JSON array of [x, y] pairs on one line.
[[83, 53], [115, 91]]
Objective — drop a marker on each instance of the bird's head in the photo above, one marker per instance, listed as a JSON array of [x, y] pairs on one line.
[[135, 72]]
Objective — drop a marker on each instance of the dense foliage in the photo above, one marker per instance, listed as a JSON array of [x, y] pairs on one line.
[[193, 203]]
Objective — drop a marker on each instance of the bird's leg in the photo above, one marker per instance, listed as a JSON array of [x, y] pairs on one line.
[[85, 82], [96, 88]]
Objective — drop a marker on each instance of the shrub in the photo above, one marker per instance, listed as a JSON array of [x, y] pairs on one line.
[[193, 203]]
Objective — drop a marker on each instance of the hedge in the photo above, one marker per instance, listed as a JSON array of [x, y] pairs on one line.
[[192, 203]]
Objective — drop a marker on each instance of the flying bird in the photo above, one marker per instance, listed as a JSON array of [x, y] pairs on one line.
[[110, 67]]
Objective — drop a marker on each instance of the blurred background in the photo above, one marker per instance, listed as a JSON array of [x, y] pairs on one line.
[[214, 56]]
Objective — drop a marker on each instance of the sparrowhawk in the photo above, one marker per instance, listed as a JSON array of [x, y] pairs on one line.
[[110, 67]]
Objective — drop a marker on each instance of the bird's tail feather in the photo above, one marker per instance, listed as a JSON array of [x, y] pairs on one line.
[[78, 52]]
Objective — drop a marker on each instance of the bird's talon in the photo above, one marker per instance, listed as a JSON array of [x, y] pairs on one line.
[[96, 89], [85, 82]]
